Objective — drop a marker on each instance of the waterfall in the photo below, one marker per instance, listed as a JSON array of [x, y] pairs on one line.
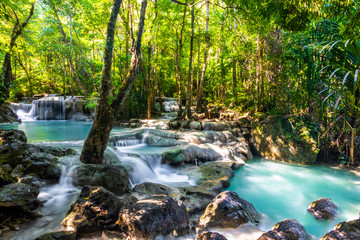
[[148, 168], [49, 108]]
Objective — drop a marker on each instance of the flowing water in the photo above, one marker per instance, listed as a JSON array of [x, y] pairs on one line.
[[277, 190], [281, 191], [142, 161]]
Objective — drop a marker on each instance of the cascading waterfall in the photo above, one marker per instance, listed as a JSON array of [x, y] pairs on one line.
[[144, 167], [57, 200], [49, 108]]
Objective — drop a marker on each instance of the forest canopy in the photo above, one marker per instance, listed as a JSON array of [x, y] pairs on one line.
[[259, 57]]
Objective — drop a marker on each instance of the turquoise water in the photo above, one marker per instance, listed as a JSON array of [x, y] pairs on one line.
[[277, 190], [55, 131], [281, 191]]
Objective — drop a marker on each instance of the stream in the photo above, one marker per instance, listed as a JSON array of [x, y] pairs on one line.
[[276, 190]]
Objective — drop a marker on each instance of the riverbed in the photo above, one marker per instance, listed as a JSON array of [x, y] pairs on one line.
[[277, 190]]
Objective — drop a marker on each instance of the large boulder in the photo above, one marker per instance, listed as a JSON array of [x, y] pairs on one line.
[[153, 216], [323, 208], [114, 178], [19, 196], [210, 236], [95, 209], [215, 176], [148, 189], [190, 154], [229, 210], [344, 230], [288, 229], [18, 204], [13, 147], [274, 139], [62, 235], [7, 115], [23, 159]]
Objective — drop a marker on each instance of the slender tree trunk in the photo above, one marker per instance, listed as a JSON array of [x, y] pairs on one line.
[[187, 113], [149, 83], [106, 113], [234, 82], [178, 65], [201, 93]]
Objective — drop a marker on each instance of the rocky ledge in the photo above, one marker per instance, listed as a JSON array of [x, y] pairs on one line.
[[23, 169]]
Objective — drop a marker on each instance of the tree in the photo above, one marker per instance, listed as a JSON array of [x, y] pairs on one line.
[[6, 74], [107, 111]]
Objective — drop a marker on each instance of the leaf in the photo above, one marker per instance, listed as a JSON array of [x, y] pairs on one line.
[[345, 77], [337, 102], [332, 74], [328, 97]]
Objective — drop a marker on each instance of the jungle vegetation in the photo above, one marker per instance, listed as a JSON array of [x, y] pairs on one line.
[[264, 58]]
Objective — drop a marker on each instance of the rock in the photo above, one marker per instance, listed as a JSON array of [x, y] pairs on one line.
[[149, 189], [62, 235], [195, 199], [216, 126], [95, 209], [323, 208], [29, 159], [19, 195], [344, 231], [215, 176], [13, 147], [210, 236], [152, 216], [190, 154], [286, 230], [5, 178], [114, 178], [7, 115], [195, 125], [229, 210], [273, 140]]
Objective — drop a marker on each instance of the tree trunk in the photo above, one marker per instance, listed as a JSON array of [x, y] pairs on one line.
[[106, 113], [178, 65], [149, 83], [234, 82], [187, 113], [201, 93]]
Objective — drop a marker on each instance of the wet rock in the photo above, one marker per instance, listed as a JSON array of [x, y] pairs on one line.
[[344, 230], [216, 126], [286, 229], [152, 216], [13, 147], [62, 235], [195, 199], [323, 208], [210, 236], [7, 115], [114, 178], [190, 154], [29, 159], [214, 177], [195, 126], [229, 210], [19, 196], [149, 189], [5, 178], [95, 210]]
